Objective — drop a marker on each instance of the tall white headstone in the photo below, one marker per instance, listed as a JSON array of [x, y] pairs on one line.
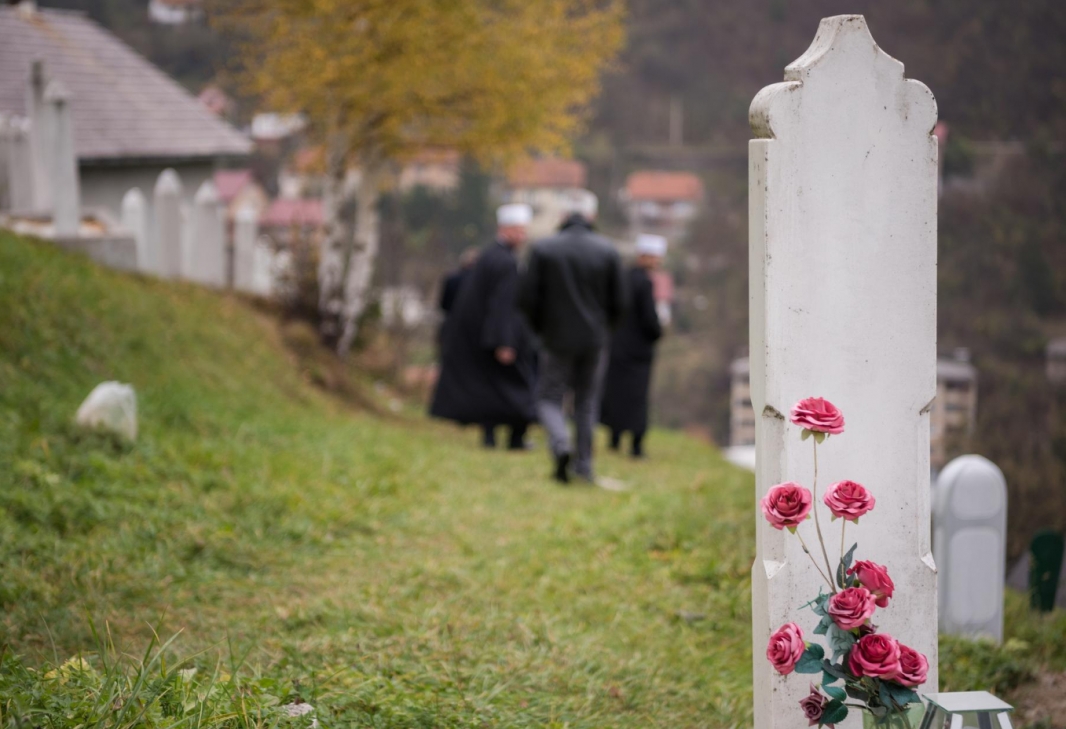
[[264, 268], [843, 194], [135, 220], [63, 160], [245, 234], [41, 152], [16, 163], [167, 248], [207, 244], [970, 545]]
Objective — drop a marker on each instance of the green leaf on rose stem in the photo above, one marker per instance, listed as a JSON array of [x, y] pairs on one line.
[[811, 660], [835, 692], [805, 434], [856, 691], [901, 694], [835, 712], [840, 640], [819, 604], [832, 670], [845, 564], [823, 625], [828, 678], [886, 696], [819, 437]]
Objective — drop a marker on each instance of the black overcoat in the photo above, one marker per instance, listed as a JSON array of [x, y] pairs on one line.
[[625, 393], [474, 387]]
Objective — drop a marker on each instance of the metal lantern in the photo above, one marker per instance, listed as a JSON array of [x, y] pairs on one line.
[[965, 709]]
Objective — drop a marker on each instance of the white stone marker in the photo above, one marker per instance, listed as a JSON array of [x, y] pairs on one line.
[[970, 545], [38, 137], [245, 235], [63, 161], [207, 242], [135, 220], [18, 158], [842, 195], [166, 251], [265, 266]]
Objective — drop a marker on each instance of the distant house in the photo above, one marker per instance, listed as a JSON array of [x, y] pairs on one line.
[[436, 169], [239, 188], [550, 186], [287, 219], [661, 202], [175, 12], [217, 101], [131, 121]]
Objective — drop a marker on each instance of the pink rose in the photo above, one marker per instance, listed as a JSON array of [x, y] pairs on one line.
[[819, 415], [913, 667], [851, 608], [786, 505], [874, 578], [848, 500], [813, 706], [875, 655], [785, 648]]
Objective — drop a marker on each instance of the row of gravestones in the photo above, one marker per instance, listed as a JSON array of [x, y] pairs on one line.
[[178, 241]]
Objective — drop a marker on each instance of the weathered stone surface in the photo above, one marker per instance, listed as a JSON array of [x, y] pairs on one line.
[[843, 191], [62, 168], [207, 243], [111, 406], [245, 234], [166, 251], [135, 221]]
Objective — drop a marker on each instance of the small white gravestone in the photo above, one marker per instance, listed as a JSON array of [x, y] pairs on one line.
[[970, 543], [245, 235], [843, 195], [112, 407], [207, 240], [135, 220], [264, 267], [40, 151], [63, 161], [18, 158], [166, 251]]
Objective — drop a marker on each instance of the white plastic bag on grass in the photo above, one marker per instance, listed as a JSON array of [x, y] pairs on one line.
[[111, 406]]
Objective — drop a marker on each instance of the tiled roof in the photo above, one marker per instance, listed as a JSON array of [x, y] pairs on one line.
[[548, 172], [123, 107], [229, 183], [286, 212], [663, 186]]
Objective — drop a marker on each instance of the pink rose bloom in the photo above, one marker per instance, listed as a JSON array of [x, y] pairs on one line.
[[848, 500], [875, 655], [874, 577], [814, 706], [786, 505], [851, 608], [913, 667], [785, 648], [819, 415]]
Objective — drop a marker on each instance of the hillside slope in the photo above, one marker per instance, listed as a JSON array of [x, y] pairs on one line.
[[434, 583]]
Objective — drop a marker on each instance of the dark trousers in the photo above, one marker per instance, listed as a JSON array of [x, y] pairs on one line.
[[637, 448], [582, 374], [516, 441]]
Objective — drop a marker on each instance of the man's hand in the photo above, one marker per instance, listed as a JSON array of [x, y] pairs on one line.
[[505, 355]]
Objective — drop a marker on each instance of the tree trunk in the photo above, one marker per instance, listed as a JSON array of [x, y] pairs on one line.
[[363, 254], [337, 243]]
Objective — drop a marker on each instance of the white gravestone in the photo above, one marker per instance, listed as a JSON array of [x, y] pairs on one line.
[[245, 235], [166, 250], [62, 160], [207, 240], [264, 268], [135, 221], [18, 158], [970, 543], [41, 152], [843, 194]]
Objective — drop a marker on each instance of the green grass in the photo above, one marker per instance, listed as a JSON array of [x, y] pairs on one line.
[[384, 568]]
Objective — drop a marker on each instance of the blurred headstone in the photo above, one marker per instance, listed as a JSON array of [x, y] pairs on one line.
[[969, 544], [135, 220], [41, 153], [264, 267], [17, 140], [1045, 568], [63, 161], [166, 249], [207, 240], [112, 407], [245, 236]]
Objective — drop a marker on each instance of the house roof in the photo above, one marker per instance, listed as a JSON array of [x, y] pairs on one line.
[[123, 107], [287, 212], [229, 183], [548, 172], [663, 186]]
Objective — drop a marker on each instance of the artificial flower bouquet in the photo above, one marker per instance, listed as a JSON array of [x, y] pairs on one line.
[[864, 669]]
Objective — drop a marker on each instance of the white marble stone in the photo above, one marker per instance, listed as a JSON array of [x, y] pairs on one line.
[[41, 152], [166, 250], [112, 407], [62, 171], [245, 236], [17, 139], [970, 545], [135, 221], [843, 194], [207, 242]]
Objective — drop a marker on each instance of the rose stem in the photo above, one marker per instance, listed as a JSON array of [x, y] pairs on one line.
[[814, 562], [817, 523], [843, 526]]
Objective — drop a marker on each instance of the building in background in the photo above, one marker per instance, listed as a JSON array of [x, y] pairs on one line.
[[436, 169], [131, 121], [663, 203], [551, 187], [238, 189], [175, 12]]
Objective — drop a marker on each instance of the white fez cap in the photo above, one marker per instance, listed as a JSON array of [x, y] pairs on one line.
[[514, 214], [651, 245]]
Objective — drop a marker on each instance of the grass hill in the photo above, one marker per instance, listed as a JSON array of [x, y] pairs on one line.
[[381, 567]]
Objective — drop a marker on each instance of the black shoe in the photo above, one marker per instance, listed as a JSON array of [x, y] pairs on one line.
[[562, 463]]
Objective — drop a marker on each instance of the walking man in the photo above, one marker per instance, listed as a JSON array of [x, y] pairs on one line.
[[625, 394], [573, 295], [487, 354]]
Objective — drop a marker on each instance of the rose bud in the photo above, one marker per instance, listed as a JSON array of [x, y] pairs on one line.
[[786, 505], [813, 706], [851, 608], [913, 667], [785, 648], [874, 655], [818, 415], [848, 500], [874, 577]]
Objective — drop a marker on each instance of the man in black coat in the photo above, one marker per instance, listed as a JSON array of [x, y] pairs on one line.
[[573, 295], [487, 355], [625, 392]]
